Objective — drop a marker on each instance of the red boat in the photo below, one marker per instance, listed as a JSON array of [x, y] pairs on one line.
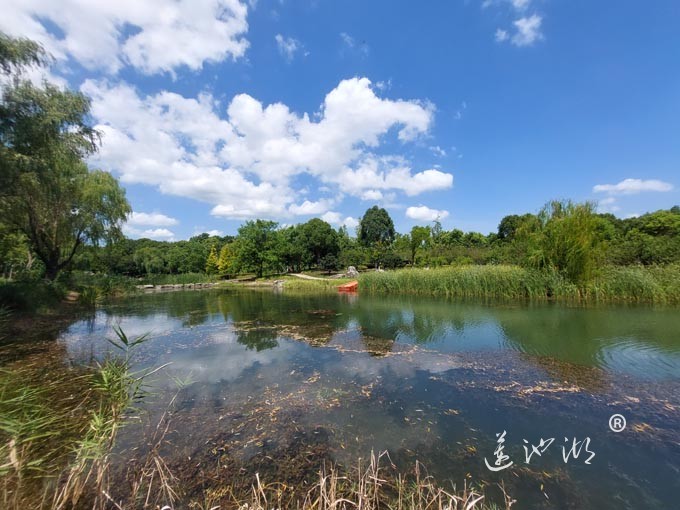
[[349, 287]]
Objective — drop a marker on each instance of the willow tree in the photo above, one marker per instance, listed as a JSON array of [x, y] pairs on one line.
[[566, 238], [48, 192]]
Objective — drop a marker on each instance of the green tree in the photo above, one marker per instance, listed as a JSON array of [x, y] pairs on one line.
[[418, 240], [376, 227], [226, 265], [351, 252], [60, 211], [17, 54], [474, 239], [118, 257], [15, 254], [511, 224], [319, 240], [436, 231], [452, 237], [292, 252], [329, 262], [149, 259], [48, 192], [376, 232], [659, 223], [212, 263], [258, 246], [566, 239]]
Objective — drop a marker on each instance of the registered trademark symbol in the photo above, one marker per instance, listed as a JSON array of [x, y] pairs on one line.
[[617, 422]]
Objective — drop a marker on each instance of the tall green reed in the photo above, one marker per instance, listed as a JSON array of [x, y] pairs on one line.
[[657, 284]]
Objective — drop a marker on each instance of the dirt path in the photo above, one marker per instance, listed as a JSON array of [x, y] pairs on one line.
[[307, 277]]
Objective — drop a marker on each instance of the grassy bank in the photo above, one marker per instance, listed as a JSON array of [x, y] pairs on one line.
[[626, 284], [291, 284]]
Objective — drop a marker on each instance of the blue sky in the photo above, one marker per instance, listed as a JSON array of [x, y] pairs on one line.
[[218, 111]]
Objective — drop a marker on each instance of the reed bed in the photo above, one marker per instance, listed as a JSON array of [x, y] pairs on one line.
[[638, 284], [656, 284], [507, 282]]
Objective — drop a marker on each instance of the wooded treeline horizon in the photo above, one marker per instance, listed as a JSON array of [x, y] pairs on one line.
[[566, 236]]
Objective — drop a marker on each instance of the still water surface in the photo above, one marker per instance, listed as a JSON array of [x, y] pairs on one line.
[[278, 383]]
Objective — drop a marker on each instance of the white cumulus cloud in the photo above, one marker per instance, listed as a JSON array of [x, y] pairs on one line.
[[151, 35], [151, 219], [608, 205], [633, 186], [372, 194], [308, 208], [247, 162], [159, 234], [520, 5], [332, 217], [424, 213], [351, 223], [335, 218]]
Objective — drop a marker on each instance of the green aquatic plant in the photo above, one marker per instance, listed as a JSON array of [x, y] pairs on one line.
[[55, 450], [39, 423], [656, 284], [118, 388], [5, 316], [26, 424]]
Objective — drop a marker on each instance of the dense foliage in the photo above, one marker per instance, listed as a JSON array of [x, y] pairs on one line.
[[567, 239], [49, 197]]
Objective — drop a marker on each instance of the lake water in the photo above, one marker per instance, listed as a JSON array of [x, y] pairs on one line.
[[277, 383]]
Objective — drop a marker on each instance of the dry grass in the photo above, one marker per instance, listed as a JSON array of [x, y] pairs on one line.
[[374, 484]]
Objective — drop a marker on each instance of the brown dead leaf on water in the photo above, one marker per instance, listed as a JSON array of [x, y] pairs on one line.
[[642, 427], [313, 378], [541, 387]]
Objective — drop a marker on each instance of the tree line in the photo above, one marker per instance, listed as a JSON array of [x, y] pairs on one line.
[[568, 237]]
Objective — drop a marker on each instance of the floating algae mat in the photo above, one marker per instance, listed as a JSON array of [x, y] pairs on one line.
[[277, 385]]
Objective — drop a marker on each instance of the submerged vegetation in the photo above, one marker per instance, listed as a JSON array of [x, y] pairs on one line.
[[58, 437]]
